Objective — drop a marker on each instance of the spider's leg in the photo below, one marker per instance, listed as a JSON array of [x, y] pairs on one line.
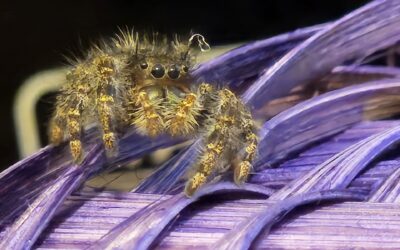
[[217, 132], [74, 125], [67, 117], [106, 104], [57, 125], [242, 168], [77, 103], [228, 129], [206, 166]]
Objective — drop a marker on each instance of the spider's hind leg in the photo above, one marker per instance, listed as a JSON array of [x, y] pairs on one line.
[[57, 127], [243, 166], [228, 122], [74, 126], [107, 103], [67, 119], [205, 167], [105, 112]]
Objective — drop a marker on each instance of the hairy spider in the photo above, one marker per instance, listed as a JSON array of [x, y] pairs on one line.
[[146, 83]]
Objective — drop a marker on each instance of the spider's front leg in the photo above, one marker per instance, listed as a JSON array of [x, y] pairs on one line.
[[225, 136]]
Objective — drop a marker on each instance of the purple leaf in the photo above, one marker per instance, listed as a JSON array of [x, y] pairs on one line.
[[243, 239], [389, 191], [23, 233], [325, 115], [141, 229], [359, 74], [166, 177], [362, 32]]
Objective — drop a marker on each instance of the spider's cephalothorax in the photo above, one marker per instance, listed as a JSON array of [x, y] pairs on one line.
[[145, 83]]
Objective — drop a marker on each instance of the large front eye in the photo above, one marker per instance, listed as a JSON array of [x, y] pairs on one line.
[[173, 72], [158, 70]]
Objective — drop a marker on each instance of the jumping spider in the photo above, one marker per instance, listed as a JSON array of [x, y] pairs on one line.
[[146, 83]]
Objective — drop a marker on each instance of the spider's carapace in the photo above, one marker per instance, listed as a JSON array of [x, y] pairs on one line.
[[146, 83]]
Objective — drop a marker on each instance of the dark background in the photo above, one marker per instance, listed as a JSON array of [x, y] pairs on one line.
[[35, 35]]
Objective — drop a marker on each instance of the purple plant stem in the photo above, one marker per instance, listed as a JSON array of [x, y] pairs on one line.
[[359, 74], [141, 229], [27, 228], [20, 166], [170, 172], [338, 171], [348, 225], [320, 153], [363, 31], [314, 119], [389, 191], [340, 77], [276, 212]]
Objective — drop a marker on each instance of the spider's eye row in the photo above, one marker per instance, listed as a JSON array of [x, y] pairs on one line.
[[185, 68], [173, 71], [144, 65], [158, 70]]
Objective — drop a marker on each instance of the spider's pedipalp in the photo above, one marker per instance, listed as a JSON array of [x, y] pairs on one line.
[[146, 118], [182, 114]]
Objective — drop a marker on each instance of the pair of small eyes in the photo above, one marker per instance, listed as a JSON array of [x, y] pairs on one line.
[[158, 70]]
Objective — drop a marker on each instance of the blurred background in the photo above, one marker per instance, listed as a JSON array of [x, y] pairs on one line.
[[36, 35]]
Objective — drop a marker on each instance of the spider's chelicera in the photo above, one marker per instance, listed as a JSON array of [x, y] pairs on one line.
[[146, 83]]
